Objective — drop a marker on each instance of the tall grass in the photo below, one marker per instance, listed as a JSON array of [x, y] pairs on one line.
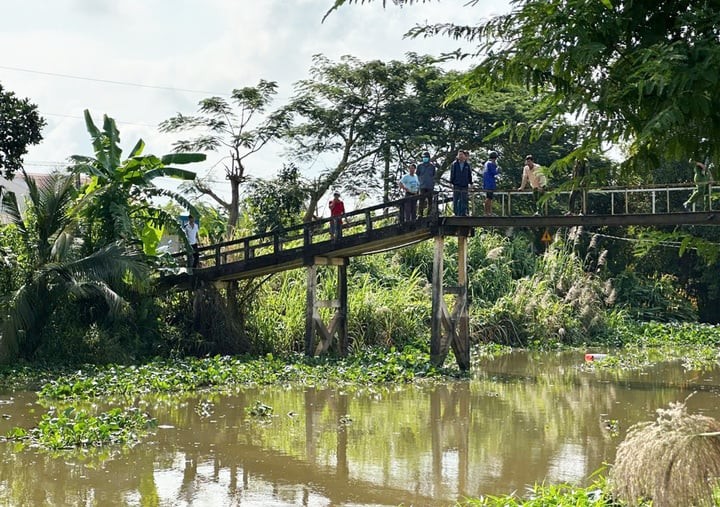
[[379, 313], [559, 303]]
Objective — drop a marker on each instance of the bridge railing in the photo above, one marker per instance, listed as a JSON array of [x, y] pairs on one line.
[[605, 200], [610, 200], [299, 237]]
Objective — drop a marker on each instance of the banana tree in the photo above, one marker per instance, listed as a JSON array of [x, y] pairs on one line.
[[118, 199]]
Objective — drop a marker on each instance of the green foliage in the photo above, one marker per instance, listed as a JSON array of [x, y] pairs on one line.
[[544, 495], [366, 367], [276, 203], [77, 428], [116, 203], [20, 126], [657, 299], [259, 410], [388, 317], [56, 271], [641, 344], [386, 307], [635, 72]]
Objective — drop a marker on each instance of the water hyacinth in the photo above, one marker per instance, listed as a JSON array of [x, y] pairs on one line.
[[76, 428]]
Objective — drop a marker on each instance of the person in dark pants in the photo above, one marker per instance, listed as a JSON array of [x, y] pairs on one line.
[[337, 210], [490, 172], [410, 184], [192, 231], [461, 179], [426, 174]]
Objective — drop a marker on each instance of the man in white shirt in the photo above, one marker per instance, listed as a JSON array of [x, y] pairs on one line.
[[192, 231], [532, 173]]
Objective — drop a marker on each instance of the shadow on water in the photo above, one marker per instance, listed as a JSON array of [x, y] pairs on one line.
[[524, 418]]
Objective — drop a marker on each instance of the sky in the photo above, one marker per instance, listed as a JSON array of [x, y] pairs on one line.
[[144, 61]]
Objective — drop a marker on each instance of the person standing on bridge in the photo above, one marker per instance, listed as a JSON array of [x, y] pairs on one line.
[[192, 231], [337, 210], [426, 175], [461, 179], [411, 185], [490, 172], [702, 179], [532, 173]]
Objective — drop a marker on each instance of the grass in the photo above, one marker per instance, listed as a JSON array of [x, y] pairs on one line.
[[674, 460]]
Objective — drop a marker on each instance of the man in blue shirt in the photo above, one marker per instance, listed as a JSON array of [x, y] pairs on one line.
[[461, 179], [490, 171], [426, 174]]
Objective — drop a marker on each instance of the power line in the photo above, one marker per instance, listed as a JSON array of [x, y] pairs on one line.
[[75, 117], [665, 243], [110, 81]]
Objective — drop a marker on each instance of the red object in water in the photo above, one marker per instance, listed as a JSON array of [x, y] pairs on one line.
[[593, 357]]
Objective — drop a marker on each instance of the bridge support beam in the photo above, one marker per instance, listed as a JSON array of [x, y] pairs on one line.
[[450, 329], [314, 325]]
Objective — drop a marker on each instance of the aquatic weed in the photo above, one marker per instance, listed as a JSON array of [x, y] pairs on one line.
[[77, 428], [372, 366]]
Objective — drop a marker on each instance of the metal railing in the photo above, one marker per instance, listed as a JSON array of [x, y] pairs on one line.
[[611, 200], [602, 201]]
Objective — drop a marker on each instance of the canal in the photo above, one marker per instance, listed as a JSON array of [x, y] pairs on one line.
[[523, 418]]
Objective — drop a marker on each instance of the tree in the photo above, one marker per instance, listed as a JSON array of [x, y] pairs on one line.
[[20, 126], [635, 73], [341, 110], [230, 125], [277, 203], [57, 272], [116, 202]]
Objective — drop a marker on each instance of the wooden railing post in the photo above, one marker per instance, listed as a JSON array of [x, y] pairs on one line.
[[307, 235]]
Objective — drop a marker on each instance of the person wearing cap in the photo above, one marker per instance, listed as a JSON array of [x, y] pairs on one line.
[[461, 179], [337, 210], [411, 185], [490, 172], [426, 175], [532, 173]]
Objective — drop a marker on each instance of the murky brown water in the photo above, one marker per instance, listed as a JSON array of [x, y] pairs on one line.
[[524, 418]]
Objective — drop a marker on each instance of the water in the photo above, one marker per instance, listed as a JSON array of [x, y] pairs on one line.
[[524, 418]]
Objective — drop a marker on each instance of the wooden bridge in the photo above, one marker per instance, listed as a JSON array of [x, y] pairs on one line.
[[379, 228]]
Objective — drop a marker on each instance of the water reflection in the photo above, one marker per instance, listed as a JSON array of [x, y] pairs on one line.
[[524, 418]]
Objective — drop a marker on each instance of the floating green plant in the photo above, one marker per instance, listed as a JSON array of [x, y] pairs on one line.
[[73, 428]]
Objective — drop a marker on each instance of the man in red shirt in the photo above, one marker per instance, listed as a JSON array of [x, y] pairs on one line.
[[337, 210]]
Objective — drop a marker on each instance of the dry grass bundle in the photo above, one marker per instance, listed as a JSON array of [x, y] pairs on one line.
[[673, 461]]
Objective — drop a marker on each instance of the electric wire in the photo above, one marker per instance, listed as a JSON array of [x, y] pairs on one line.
[[111, 81]]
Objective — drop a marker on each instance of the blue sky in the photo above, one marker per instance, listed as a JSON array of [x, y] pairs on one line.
[[208, 46]]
